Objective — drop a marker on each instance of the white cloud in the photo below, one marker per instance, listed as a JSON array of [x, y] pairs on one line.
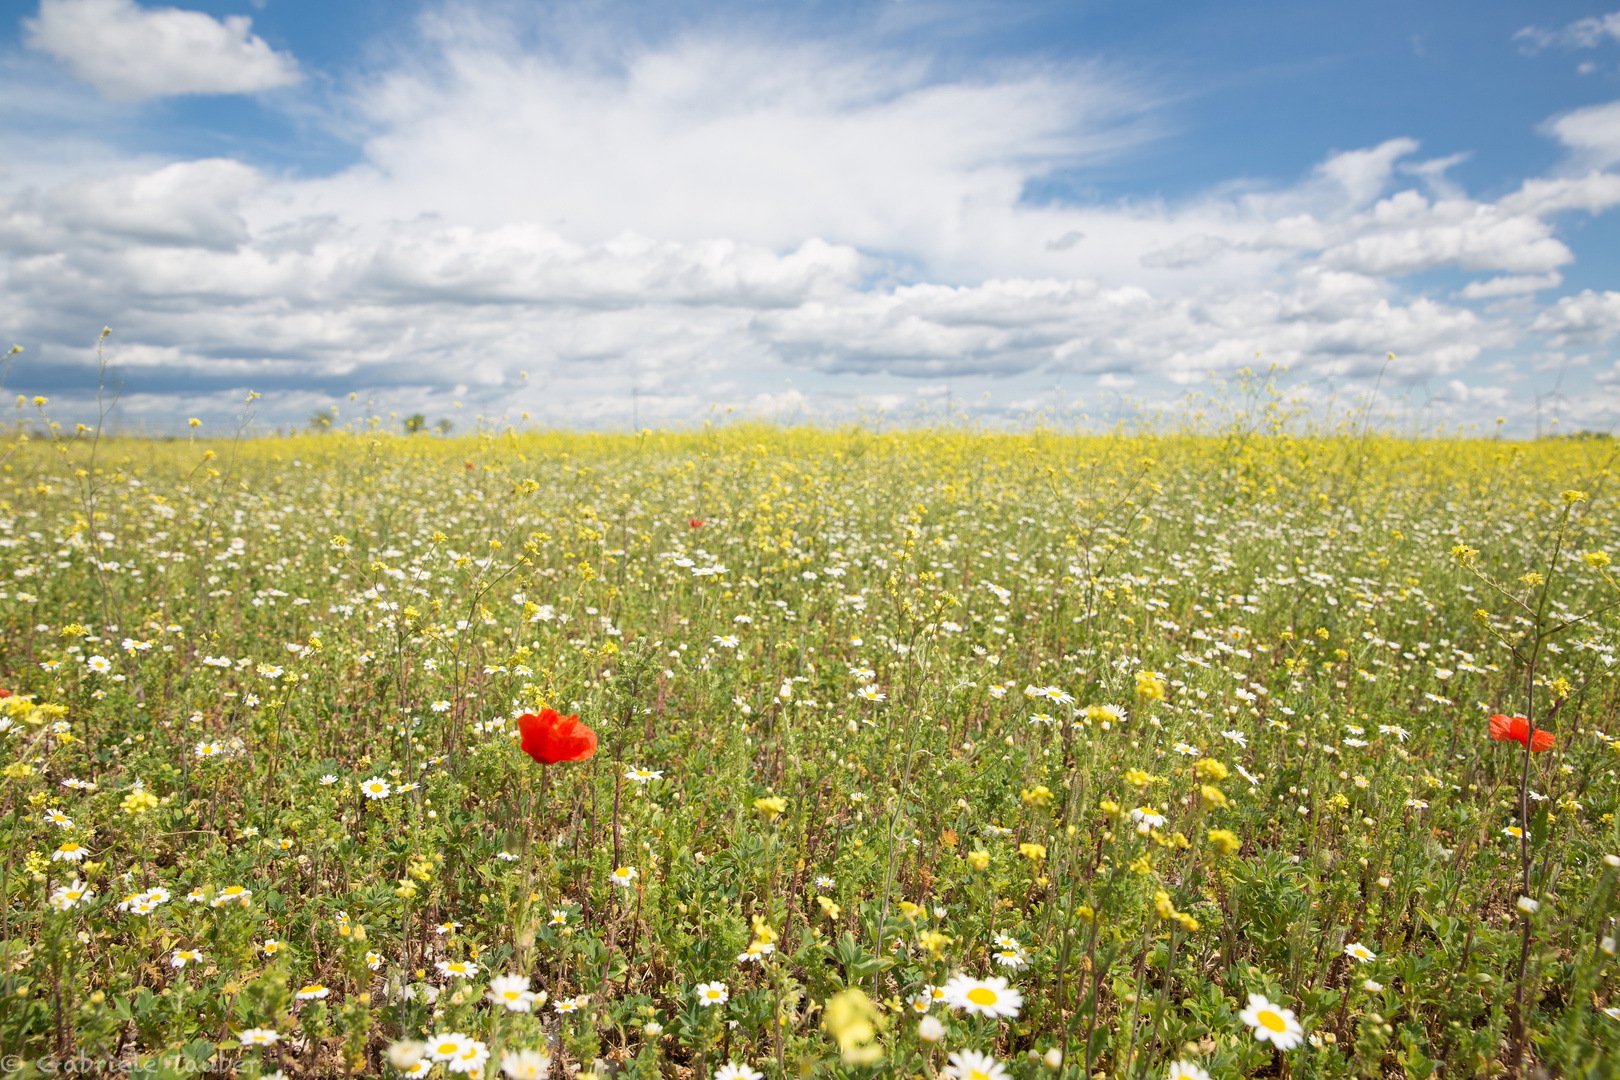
[[757, 141], [1584, 33], [187, 204], [703, 220], [1588, 318], [1593, 133], [130, 53], [1510, 285], [1195, 250]]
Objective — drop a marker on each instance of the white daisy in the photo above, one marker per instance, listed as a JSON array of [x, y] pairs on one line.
[[1272, 1023], [972, 1065], [511, 991], [987, 997], [711, 993], [447, 1046]]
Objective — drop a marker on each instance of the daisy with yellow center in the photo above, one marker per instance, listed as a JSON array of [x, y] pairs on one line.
[[513, 992], [714, 993], [982, 997], [972, 1065], [1272, 1023], [448, 1046], [232, 893]]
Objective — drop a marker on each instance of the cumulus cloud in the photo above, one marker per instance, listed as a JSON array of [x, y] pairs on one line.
[[1589, 318], [1593, 133], [187, 204], [1195, 250], [1510, 285], [130, 53], [704, 219]]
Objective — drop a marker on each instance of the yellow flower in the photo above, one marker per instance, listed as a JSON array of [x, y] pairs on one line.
[[1038, 796], [831, 909], [762, 931], [1211, 796], [1150, 686], [1210, 769], [1110, 808], [979, 860], [1225, 840], [935, 942], [855, 1022], [771, 808], [139, 802], [1032, 852], [1138, 778]]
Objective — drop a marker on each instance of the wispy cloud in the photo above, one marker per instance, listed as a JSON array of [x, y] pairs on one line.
[[1587, 33]]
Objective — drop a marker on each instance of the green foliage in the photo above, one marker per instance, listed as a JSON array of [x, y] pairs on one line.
[[876, 711]]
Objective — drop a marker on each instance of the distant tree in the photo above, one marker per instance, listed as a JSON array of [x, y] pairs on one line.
[[414, 424], [444, 426]]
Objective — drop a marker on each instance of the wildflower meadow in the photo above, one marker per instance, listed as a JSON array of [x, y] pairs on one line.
[[751, 751]]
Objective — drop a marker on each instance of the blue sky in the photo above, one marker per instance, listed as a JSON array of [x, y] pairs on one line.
[[810, 210]]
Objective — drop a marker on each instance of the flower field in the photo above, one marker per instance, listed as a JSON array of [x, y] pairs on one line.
[[750, 751]]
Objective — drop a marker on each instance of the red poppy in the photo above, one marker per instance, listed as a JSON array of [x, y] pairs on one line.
[[550, 737], [1517, 728], [469, 466], [4, 693], [697, 523]]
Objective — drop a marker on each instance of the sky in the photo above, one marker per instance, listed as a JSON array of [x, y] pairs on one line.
[[600, 214]]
